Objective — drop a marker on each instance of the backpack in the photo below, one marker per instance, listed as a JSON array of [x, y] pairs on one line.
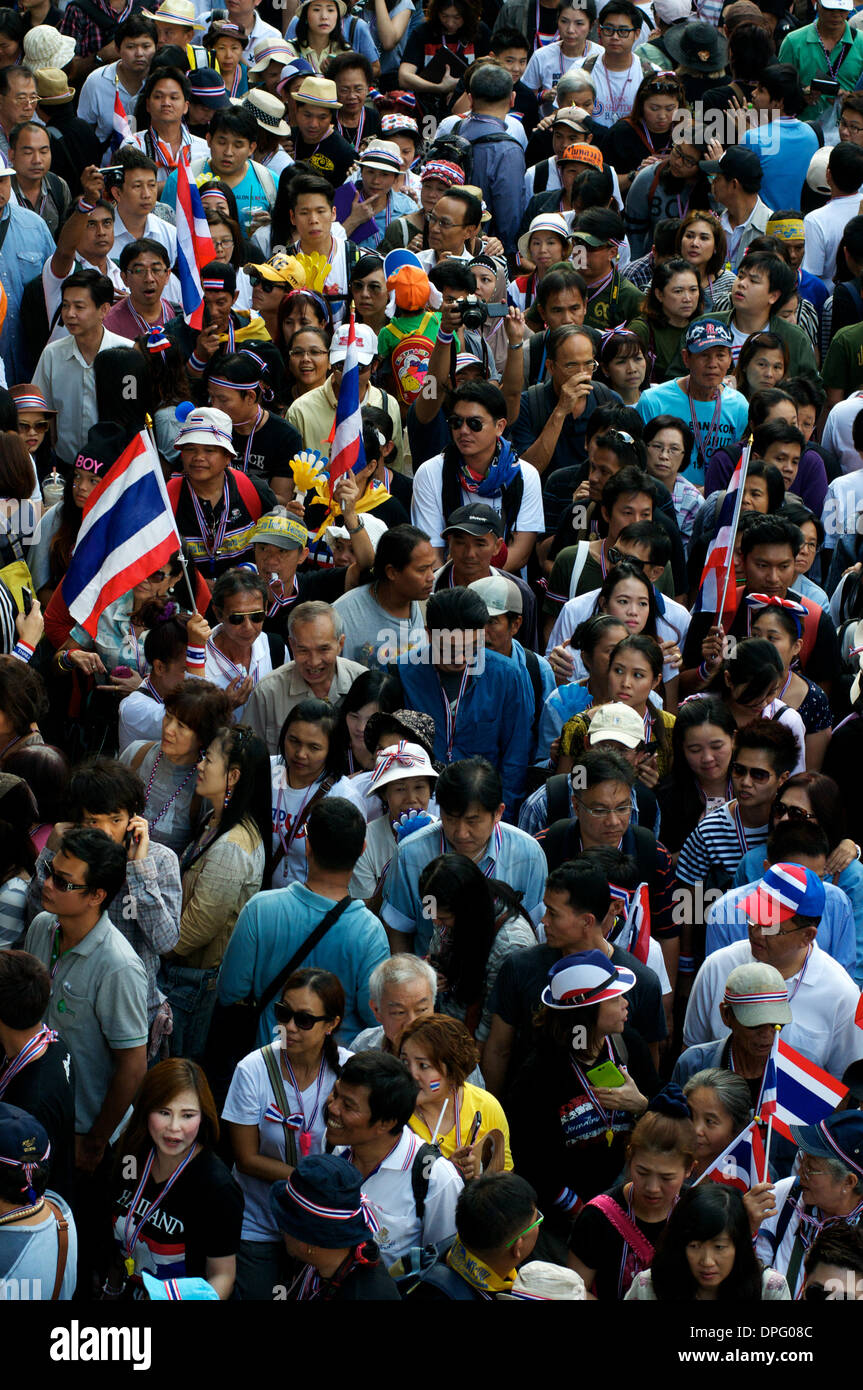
[[409, 359], [533, 670], [556, 843], [249, 494], [557, 798]]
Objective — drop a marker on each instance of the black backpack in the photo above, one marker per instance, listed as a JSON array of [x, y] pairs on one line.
[[533, 670]]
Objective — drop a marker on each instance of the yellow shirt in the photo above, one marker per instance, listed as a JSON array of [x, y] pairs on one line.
[[470, 1100]]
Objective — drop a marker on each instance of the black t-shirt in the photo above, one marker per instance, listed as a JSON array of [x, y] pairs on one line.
[[235, 544], [371, 126], [822, 663], [273, 445], [427, 37], [200, 1218], [332, 157], [524, 974], [325, 585], [599, 1245], [625, 147], [46, 1090]]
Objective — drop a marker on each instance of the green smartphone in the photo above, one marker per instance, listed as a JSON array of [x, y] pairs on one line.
[[606, 1074]]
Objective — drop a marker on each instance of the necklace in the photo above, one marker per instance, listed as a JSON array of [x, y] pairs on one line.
[[171, 799], [19, 1213]]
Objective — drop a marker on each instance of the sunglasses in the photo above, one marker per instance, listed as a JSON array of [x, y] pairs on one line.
[[621, 29], [236, 619], [472, 422], [781, 809], [256, 279], [758, 774], [303, 1019], [65, 885], [819, 1293], [37, 426], [662, 89], [618, 557]]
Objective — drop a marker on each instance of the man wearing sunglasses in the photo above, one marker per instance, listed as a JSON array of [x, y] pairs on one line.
[[825, 1196], [783, 914]]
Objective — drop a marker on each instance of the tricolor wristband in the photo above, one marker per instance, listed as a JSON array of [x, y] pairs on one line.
[[196, 365], [566, 1199], [703, 673], [444, 337], [686, 965], [82, 206], [196, 657], [23, 650]]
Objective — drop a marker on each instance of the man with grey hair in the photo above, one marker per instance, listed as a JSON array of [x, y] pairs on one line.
[[401, 989], [827, 1190], [754, 1005], [498, 159], [318, 669]]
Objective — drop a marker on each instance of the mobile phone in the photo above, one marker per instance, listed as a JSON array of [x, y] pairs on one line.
[[26, 600], [828, 86], [651, 747], [606, 1074], [497, 311], [474, 1129]]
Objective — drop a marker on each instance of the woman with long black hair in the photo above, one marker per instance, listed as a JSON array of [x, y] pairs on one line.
[[700, 779], [674, 299], [370, 692], [450, 27]]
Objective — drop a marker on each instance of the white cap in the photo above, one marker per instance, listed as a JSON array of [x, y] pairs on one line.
[[846, 5], [374, 527], [667, 11], [816, 174], [499, 594], [367, 343], [543, 1283], [618, 722], [206, 425]]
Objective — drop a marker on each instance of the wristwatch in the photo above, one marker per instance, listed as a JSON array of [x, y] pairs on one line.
[[360, 526]]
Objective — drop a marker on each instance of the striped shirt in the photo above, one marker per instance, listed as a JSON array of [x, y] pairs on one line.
[[719, 839], [13, 902]]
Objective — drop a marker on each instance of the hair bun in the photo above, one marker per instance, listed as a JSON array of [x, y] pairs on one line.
[[671, 1101]]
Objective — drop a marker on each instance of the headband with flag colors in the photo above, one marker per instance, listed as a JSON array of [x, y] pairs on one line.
[[127, 532], [718, 573], [755, 602], [195, 247], [347, 453]]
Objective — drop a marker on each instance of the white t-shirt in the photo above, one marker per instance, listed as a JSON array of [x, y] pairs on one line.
[[739, 339], [427, 504], [824, 228], [288, 803], [221, 670], [615, 91], [547, 65], [249, 1097], [140, 719]]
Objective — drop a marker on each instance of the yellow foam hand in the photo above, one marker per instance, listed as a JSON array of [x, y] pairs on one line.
[[316, 268], [309, 469]]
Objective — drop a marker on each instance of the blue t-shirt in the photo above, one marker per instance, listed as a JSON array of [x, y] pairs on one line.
[[668, 399], [784, 148], [249, 193]]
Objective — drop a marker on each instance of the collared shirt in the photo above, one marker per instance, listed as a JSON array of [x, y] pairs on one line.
[[314, 414], [519, 862], [739, 237], [270, 702], [823, 1000], [52, 286], [155, 227], [726, 921], [804, 50], [390, 1191], [52, 205], [221, 670], [68, 385], [26, 246], [98, 1001], [96, 101]]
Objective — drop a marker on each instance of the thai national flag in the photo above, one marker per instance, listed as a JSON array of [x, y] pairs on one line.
[[194, 246], [804, 1093], [768, 1098], [720, 554], [127, 531], [742, 1164], [122, 131], [347, 452]]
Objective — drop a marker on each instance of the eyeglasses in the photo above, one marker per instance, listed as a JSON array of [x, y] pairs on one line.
[[139, 271], [603, 812], [672, 450], [758, 774], [852, 129], [307, 352], [685, 158], [223, 243], [781, 809], [445, 223], [301, 1017], [65, 885], [619, 557], [38, 426], [774, 931], [474, 423], [805, 1166], [24, 99], [611, 29], [235, 619], [527, 1230]]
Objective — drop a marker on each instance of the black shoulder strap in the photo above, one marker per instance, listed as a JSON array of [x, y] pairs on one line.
[[535, 409], [277, 649], [425, 1159], [499, 137], [557, 798], [556, 842], [532, 662], [645, 852], [448, 1283], [540, 176], [305, 950]]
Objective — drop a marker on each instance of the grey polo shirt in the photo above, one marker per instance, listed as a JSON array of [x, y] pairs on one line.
[[98, 1001]]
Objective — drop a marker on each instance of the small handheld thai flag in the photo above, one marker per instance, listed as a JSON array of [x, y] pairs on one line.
[[804, 1092], [121, 130], [718, 574], [742, 1164], [347, 452], [194, 247], [634, 935]]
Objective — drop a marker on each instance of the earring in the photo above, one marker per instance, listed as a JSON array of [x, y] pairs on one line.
[[228, 794]]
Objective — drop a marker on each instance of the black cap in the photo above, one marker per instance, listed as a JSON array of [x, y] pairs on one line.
[[477, 519], [105, 444], [737, 163]]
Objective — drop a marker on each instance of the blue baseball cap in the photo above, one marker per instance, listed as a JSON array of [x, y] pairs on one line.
[[175, 1290], [839, 1137], [708, 333]]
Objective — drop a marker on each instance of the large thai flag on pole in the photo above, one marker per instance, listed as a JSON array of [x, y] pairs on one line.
[[718, 569], [347, 452], [122, 131], [742, 1164], [194, 246], [127, 531], [795, 1091]]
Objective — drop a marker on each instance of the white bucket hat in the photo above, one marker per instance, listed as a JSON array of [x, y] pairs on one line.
[[46, 47], [402, 760], [207, 425]]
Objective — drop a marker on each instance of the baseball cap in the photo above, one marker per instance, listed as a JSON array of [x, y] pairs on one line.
[[280, 528], [757, 994], [837, 1137], [785, 891], [573, 117], [736, 163], [582, 154], [174, 1290], [586, 978], [618, 722], [707, 333], [219, 275], [816, 174], [499, 594], [298, 67], [367, 344], [468, 359], [476, 519], [846, 5], [279, 269]]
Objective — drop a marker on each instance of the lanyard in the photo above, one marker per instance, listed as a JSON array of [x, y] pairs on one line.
[[388, 217], [282, 601], [683, 208], [235, 81], [212, 536], [298, 818], [496, 841], [35, 1048], [171, 799], [704, 441], [452, 714], [801, 975], [145, 327], [738, 826], [230, 668], [151, 690], [606, 1116], [615, 104], [360, 127], [308, 1124], [600, 287], [833, 68], [250, 441], [131, 1232]]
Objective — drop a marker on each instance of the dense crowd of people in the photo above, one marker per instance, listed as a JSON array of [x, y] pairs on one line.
[[417, 879]]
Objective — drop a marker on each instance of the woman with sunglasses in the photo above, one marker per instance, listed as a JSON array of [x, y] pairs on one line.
[[644, 136], [701, 745], [225, 866], [701, 242], [673, 300], [37, 426], [780, 622], [239, 652], [308, 356], [275, 1116]]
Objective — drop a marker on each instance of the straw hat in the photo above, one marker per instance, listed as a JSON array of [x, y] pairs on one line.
[[318, 91], [52, 84], [175, 12], [266, 109]]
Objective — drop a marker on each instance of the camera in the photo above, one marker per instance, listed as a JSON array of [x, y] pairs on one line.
[[113, 175], [475, 312]]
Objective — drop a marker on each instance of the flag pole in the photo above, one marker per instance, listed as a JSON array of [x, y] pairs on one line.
[[161, 477], [777, 1028], [747, 451]]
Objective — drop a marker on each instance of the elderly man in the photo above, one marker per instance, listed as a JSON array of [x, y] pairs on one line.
[[318, 669], [754, 1005], [827, 1189], [783, 915], [401, 989]]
